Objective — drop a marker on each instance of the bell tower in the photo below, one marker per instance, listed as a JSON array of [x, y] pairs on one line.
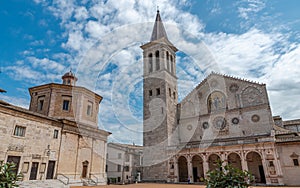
[[160, 102]]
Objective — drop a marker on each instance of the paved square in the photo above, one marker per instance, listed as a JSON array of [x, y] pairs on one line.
[[152, 185]]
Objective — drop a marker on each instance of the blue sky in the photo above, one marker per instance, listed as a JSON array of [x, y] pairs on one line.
[[99, 40]]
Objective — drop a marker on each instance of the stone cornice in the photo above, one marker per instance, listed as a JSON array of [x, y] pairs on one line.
[[27, 114], [67, 87]]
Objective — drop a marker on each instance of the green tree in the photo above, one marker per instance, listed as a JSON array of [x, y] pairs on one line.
[[228, 177], [8, 176]]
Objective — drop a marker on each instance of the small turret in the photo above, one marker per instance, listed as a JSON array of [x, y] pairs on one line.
[[69, 78]]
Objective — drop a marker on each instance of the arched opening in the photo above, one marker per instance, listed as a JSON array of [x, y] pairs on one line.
[[234, 160], [150, 63], [198, 172], [182, 169], [216, 101], [157, 60], [213, 161], [255, 167], [172, 66], [168, 61], [85, 165]]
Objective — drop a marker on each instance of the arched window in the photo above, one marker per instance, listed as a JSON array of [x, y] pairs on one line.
[[168, 62], [172, 67], [157, 60], [216, 101], [150, 63]]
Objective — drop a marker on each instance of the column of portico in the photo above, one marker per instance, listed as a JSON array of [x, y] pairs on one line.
[[190, 168], [244, 161], [176, 179], [205, 165], [264, 164], [277, 162], [224, 159]]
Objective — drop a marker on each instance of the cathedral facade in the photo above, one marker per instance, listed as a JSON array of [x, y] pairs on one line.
[[223, 118]]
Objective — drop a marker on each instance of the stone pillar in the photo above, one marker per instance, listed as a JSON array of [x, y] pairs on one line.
[[264, 164], [278, 168], [224, 159], [205, 165], [244, 161], [190, 169], [176, 179]]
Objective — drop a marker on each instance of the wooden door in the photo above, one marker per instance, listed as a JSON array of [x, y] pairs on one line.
[[50, 170], [34, 170], [85, 165]]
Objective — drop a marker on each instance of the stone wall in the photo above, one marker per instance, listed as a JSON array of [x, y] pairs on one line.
[[287, 152]]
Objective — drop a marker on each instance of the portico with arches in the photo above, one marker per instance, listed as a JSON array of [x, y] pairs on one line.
[[223, 118]]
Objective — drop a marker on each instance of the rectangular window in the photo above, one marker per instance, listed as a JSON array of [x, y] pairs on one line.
[[89, 109], [66, 104], [170, 93], [19, 131], [126, 168], [157, 91], [119, 155], [150, 93], [127, 157], [43, 168], [296, 162], [25, 167], [40, 105], [119, 168], [55, 134]]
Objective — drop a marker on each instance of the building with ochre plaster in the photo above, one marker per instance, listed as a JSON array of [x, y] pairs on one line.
[[58, 137]]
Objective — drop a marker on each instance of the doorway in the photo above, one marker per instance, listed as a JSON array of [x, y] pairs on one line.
[[85, 165], [50, 170], [262, 174], [195, 174], [16, 161], [182, 169], [33, 171], [254, 163]]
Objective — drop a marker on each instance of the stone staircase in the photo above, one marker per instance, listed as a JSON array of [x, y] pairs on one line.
[[43, 184], [55, 183]]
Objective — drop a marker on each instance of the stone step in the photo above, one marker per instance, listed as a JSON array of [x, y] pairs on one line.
[[42, 184]]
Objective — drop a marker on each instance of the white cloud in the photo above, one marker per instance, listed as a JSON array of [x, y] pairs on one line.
[[18, 101], [283, 81], [46, 64], [103, 40], [250, 7], [81, 13]]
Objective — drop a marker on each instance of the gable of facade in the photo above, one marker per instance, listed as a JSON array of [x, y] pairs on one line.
[[224, 107]]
